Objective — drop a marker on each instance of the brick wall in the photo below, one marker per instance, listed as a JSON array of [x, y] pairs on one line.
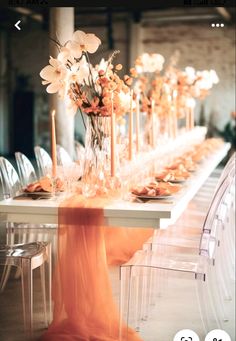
[[202, 47]]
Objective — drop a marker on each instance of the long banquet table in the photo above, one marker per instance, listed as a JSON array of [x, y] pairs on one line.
[[84, 307], [154, 213]]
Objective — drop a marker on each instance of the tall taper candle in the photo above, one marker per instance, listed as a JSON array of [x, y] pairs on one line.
[[152, 123], [187, 118], [113, 139], [174, 123], [53, 145], [131, 126], [137, 122], [191, 118], [174, 114]]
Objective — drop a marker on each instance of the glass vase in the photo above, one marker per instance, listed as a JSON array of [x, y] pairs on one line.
[[96, 170]]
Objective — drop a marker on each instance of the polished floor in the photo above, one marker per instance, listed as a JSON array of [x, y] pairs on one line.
[[175, 309]]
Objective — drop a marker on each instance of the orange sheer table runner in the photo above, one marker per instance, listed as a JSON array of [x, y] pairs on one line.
[[84, 308]]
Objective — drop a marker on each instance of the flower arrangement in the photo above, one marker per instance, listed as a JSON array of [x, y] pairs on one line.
[[96, 91], [195, 84], [93, 90], [148, 84]]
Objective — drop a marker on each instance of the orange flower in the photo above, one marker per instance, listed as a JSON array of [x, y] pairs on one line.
[[133, 72], [118, 67], [93, 108], [106, 100]]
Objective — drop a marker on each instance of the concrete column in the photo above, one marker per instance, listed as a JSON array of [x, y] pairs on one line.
[[135, 39], [61, 29], [4, 109]]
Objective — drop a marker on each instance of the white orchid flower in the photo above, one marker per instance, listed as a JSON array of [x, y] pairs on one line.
[[207, 79], [102, 65], [190, 74], [83, 72], [125, 100], [79, 72], [83, 42], [190, 102], [54, 75], [139, 68], [158, 61], [150, 63], [65, 56], [214, 77]]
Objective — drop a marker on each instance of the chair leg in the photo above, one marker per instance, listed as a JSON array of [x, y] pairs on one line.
[[27, 295], [201, 293], [4, 278], [125, 279], [43, 282], [49, 260]]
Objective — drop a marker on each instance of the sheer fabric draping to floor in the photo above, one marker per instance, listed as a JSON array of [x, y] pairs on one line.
[[84, 308]]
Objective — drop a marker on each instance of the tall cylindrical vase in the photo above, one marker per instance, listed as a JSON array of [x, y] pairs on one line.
[[97, 156]]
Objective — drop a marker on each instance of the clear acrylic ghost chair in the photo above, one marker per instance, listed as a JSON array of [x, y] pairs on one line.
[[26, 170], [10, 187], [215, 181], [63, 157], [11, 184], [185, 234], [21, 233], [188, 228], [27, 257], [43, 159], [205, 267]]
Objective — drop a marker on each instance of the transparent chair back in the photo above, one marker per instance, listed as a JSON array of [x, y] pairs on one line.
[[229, 165], [43, 159], [210, 229], [227, 168], [63, 157], [11, 184], [226, 178], [25, 168]]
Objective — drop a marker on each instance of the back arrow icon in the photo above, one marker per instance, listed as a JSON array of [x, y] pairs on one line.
[[17, 25]]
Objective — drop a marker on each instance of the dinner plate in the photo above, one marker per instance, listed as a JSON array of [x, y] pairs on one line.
[[191, 170], [41, 192], [158, 197], [177, 181], [37, 194]]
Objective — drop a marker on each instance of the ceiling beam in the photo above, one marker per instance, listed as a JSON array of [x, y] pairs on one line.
[[224, 13], [28, 12]]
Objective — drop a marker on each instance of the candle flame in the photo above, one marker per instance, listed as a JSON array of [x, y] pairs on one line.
[[53, 113]]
